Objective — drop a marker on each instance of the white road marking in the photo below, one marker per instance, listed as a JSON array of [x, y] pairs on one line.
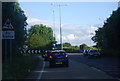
[[40, 75], [97, 69]]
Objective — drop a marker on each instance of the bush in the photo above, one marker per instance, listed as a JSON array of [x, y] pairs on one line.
[[19, 67], [110, 53]]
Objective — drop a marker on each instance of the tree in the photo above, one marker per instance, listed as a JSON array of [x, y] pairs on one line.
[[107, 37], [40, 37], [13, 12], [66, 44]]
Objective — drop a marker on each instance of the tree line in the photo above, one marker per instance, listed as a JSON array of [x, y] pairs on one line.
[[37, 37], [107, 37], [13, 12], [40, 37]]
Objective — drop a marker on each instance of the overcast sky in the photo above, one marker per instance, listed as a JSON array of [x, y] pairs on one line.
[[79, 19]]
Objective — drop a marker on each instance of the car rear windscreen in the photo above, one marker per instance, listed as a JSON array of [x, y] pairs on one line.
[[58, 53]]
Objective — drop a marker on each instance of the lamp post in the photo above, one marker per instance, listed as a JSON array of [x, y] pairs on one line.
[[60, 22], [54, 22]]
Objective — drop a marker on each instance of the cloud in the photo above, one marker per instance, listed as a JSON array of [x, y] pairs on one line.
[[71, 33], [28, 13], [33, 21]]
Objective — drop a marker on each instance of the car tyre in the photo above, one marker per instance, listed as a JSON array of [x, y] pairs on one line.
[[67, 65]]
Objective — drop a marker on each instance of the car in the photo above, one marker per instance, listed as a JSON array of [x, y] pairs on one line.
[[58, 57], [86, 52], [94, 53], [45, 55]]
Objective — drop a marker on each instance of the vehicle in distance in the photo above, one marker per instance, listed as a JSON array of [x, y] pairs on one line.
[[95, 53], [58, 57], [86, 52], [46, 55]]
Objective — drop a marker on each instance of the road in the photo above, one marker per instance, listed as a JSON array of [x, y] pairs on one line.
[[78, 69], [109, 65]]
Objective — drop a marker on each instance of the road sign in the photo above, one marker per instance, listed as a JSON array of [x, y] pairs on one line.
[[8, 34], [8, 31]]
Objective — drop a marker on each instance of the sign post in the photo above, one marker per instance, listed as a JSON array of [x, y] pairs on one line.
[[8, 33]]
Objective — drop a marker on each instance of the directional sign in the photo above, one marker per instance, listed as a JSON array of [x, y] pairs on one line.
[[8, 31], [29, 51]]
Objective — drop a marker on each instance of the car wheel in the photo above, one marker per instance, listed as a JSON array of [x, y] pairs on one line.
[[67, 65]]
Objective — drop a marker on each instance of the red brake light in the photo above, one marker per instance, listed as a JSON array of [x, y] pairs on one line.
[[46, 55], [50, 57]]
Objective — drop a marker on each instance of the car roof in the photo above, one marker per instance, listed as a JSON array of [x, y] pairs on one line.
[[93, 50], [58, 51]]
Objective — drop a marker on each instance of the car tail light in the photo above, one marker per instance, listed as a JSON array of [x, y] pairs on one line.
[[50, 57], [46, 55], [66, 56]]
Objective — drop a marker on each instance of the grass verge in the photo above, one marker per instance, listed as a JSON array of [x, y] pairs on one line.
[[19, 67]]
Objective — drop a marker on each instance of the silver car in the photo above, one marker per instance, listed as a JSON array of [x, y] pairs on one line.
[[95, 53]]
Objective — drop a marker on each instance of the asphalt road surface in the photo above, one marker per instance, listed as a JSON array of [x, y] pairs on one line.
[[78, 69]]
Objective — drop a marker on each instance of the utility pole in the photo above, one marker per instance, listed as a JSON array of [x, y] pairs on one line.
[[60, 22]]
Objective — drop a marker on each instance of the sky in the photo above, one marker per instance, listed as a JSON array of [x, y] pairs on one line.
[[78, 19]]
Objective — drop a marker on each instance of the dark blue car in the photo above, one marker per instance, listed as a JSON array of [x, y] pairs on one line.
[[58, 57]]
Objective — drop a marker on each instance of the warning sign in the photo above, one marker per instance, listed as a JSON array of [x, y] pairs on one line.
[[8, 31]]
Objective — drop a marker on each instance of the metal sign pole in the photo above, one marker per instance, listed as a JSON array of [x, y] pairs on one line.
[[10, 51], [8, 33], [6, 51]]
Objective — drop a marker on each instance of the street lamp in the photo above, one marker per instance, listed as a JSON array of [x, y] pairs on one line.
[[59, 5], [54, 22]]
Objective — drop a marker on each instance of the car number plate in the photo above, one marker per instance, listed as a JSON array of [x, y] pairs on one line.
[[58, 62]]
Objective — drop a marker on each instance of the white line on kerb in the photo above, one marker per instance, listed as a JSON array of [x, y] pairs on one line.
[[40, 75]]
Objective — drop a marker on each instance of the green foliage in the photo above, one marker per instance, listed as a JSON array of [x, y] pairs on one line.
[[19, 68], [40, 37], [13, 12], [69, 48], [86, 47], [66, 44], [107, 37]]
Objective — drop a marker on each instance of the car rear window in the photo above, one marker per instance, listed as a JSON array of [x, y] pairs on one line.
[[58, 53]]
